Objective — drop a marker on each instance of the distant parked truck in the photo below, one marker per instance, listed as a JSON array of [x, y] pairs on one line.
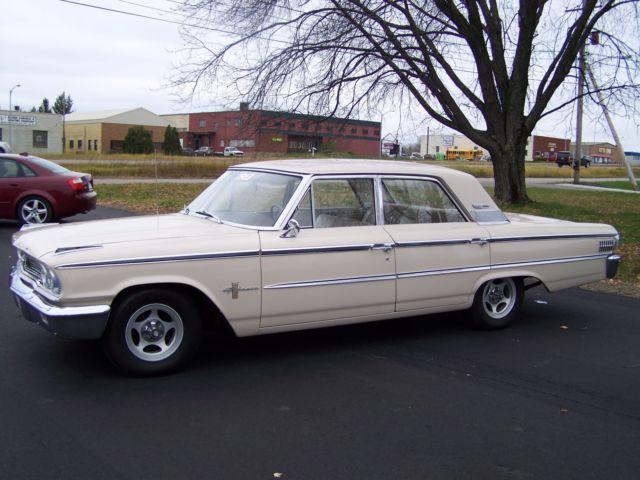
[[230, 152]]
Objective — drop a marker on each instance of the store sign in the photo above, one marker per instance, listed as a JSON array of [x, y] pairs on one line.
[[277, 139], [447, 141], [27, 120]]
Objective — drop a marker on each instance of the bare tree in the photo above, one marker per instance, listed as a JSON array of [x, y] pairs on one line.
[[490, 70]]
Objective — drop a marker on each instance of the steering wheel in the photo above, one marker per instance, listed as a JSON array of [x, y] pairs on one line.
[[275, 211]]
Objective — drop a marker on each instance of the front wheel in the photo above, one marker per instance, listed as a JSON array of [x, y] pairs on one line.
[[153, 332], [497, 303]]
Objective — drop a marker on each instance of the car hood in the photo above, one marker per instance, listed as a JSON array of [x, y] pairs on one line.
[[156, 234]]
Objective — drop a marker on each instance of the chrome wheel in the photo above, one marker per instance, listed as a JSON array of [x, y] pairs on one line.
[[34, 210], [499, 297], [154, 332]]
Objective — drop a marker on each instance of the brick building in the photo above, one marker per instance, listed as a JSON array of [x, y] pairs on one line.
[[600, 152], [545, 148], [280, 132], [104, 131]]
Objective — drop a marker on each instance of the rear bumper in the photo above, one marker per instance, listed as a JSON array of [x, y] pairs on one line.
[[87, 322], [612, 265]]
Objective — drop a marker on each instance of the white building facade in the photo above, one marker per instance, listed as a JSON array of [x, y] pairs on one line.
[[437, 145], [32, 132]]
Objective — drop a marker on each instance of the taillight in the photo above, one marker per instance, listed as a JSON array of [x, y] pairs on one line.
[[76, 184]]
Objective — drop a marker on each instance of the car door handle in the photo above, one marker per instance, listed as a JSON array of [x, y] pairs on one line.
[[385, 247], [479, 241]]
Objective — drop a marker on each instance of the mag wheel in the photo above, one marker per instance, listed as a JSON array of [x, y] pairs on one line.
[[497, 303], [152, 332]]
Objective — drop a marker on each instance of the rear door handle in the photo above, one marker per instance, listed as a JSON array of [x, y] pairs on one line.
[[385, 247]]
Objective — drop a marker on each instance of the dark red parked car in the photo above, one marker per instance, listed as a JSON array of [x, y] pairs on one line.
[[35, 190]]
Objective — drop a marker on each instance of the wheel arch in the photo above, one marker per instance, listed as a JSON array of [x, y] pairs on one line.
[[534, 278], [212, 317]]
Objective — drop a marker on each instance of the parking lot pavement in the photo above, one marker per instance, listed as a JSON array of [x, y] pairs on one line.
[[556, 396]]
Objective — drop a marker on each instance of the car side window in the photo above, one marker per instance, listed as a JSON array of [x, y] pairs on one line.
[[9, 168], [343, 202], [408, 200], [303, 213]]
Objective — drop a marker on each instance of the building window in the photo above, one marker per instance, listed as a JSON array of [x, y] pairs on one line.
[[40, 139], [354, 131], [202, 123], [376, 133], [79, 144], [277, 124], [341, 130], [365, 131], [71, 144], [0, 134], [95, 145], [292, 126], [329, 129], [437, 149], [242, 143]]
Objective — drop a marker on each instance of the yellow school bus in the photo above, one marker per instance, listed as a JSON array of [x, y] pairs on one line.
[[457, 154]]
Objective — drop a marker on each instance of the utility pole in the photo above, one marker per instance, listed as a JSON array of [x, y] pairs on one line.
[[614, 133], [577, 157]]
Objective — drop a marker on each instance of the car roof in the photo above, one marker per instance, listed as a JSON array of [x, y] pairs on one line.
[[328, 166], [465, 186]]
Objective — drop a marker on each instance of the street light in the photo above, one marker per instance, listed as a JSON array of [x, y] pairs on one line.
[[11, 93]]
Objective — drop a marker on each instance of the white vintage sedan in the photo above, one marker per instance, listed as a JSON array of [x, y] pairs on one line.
[[288, 245]]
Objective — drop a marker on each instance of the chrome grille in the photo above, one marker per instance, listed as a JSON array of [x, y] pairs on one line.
[[607, 245]]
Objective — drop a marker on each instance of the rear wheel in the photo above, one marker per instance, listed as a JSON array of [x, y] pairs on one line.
[[497, 303], [153, 332], [34, 210]]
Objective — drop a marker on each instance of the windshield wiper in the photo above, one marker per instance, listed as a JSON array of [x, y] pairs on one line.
[[209, 215]]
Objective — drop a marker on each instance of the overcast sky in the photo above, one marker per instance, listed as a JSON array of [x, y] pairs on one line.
[[108, 60]]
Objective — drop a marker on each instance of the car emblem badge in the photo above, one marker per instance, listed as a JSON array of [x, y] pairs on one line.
[[235, 289]]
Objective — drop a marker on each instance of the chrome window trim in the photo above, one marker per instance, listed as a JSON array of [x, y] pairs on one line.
[[337, 281], [438, 181]]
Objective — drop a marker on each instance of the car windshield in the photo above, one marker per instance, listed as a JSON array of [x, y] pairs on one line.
[[52, 167], [246, 197]]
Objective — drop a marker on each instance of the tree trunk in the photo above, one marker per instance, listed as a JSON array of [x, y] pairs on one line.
[[509, 173]]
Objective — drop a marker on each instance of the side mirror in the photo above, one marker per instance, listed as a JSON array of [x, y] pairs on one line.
[[292, 229]]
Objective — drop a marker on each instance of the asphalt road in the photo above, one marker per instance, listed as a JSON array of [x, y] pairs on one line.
[[557, 396]]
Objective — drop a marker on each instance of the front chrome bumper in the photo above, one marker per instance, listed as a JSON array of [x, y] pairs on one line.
[[66, 322], [612, 265]]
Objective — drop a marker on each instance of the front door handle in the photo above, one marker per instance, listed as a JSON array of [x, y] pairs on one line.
[[385, 247]]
